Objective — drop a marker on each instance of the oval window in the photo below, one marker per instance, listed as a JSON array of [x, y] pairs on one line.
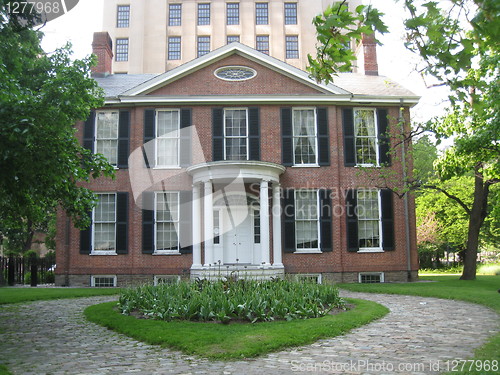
[[235, 73]]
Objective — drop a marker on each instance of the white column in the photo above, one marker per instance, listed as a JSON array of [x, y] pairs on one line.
[[264, 223], [208, 217], [196, 227], [276, 210]]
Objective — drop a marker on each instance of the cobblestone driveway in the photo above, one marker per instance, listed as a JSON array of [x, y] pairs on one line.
[[418, 336]]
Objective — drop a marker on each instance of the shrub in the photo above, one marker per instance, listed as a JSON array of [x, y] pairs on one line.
[[228, 300]]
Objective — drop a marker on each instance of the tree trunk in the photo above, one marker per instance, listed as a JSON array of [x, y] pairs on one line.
[[476, 219]]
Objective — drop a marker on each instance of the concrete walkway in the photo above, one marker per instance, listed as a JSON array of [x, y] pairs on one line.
[[418, 336]]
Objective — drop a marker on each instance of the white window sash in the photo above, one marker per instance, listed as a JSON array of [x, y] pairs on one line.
[[373, 139], [236, 137], [176, 139], [379, 248], [315, 135], [313, 249], [94, 222], [98, 138], [174, 221]]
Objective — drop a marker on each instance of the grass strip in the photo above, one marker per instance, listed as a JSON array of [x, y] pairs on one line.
[[483, 291], [237, 340], [17, 295]]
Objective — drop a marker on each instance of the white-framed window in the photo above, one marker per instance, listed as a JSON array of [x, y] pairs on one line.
[[217, 227], [305, 140], [166, 222], [103, 281], [106, 135], [314, 278], [371, 277], [104, 224], [236, 134], [166, 279], [366, 137], [122, 16], [369, 220], [256, 226], [307, 221], [167, 138], [232, 38]]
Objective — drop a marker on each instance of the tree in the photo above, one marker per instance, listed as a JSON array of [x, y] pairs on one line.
[[42, 96], [459, 48]]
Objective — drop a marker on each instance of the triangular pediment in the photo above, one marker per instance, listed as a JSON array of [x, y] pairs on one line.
[[198, 77]]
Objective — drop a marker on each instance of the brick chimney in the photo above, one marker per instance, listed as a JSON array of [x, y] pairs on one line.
[[366, 55], [102, 47]]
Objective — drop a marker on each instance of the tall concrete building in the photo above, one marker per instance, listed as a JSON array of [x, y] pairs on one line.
[[154, 36]]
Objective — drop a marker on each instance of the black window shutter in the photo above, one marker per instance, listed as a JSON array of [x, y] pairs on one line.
[[217, 134], [185, 222], [325, 220], [86, 238], [122, 223], [386, 197], [123, 139], [323, 137], [149, 135], [286, 137], [254, 134], [289, 220], [349, 139], [148, 222], [89, 132], [383, 137], [185, 138], [352, 220]]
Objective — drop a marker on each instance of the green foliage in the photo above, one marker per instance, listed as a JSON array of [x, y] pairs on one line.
[[336, 28], [17, 295], [237, 340], [227, 300], [42, 96], [424, 154]]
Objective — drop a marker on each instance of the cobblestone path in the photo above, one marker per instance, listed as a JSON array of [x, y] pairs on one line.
[[419, 336]]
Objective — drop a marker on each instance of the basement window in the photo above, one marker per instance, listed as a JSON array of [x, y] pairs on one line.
[[166, 279], [313, 278], [371, 277], [107, 281]]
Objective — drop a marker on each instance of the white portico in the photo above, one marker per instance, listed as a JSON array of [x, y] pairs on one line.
[[233, 221]]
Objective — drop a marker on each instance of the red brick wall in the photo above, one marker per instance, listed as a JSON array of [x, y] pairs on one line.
[[335, 177]]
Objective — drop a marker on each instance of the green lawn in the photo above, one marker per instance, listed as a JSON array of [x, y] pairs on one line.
[[16, 295], [237, 340], [483, 291]]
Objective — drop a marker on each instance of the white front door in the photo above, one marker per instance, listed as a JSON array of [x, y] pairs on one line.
[[238, 236]]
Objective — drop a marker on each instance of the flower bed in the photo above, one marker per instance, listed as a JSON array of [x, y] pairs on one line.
[[229, 300]]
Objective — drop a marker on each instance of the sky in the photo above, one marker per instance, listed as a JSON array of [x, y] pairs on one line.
[[395, 62]]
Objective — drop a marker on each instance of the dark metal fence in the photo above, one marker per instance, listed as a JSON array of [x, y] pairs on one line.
[[26, 270]]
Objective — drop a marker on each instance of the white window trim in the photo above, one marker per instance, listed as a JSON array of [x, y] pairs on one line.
[[310, 250], [176, 226], [157, 137], [378, 249], [308, 165], [177, 278], [93, 277], [381, 274], [375, 121], [102, 252], [298, 276], [224, 130], [115, 165]]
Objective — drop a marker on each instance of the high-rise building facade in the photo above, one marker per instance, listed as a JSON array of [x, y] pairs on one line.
[[153, 36]]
